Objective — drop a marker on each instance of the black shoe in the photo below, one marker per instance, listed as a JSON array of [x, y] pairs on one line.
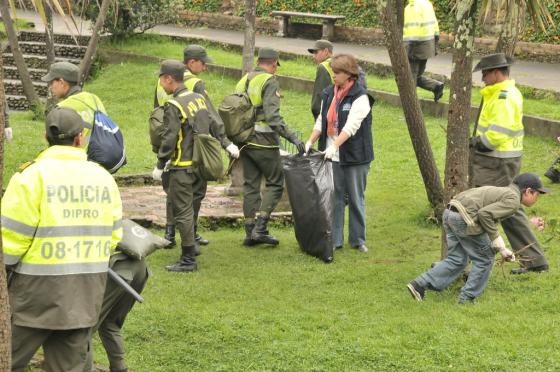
[[525, 270], [260, 233], [187, 262], [338, 247], [248, 242], [418, 292], [438, 92], [464, 301], [170, 236], [553, 174], [200, 240]]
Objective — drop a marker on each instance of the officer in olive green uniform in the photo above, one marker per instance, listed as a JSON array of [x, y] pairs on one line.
[[195, 59], [322, 52], [57, 243], [496, 152], [117, 303], [261, 155], [185, 113], [63, 83]]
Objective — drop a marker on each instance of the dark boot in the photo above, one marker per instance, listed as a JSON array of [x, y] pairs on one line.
[[199, 239], [187, 262], [170, 235], [552, 173], [248, 242], [260, 232]]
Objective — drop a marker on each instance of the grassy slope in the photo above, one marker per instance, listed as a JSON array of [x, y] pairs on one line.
[[277, 309], [304, 68]]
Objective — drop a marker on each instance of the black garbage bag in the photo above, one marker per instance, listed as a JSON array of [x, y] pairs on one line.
[[309, 181]]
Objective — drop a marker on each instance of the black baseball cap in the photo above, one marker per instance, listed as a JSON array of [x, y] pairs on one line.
[[530, 180]]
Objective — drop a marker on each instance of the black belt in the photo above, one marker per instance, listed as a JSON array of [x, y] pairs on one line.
[[452, 208]]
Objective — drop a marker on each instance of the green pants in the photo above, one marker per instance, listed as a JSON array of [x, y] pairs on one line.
[[417, 67], [259, 162], [180, 196], [489, 171], [64, 350], [199, 192], [117, 303]]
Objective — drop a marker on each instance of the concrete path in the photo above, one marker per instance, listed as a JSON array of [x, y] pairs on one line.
[[533, 74]]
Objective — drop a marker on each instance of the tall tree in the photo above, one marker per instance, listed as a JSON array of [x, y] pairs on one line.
[[5, 332], [49, 33], [411, 105], [89, 57], [249, 39], [28, 88]]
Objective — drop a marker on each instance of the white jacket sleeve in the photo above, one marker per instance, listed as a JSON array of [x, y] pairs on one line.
[[358, 112]]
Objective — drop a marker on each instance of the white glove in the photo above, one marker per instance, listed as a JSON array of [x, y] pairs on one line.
[[507, 255], [308, 145], [8, 134], [156, 174], [499, 245], [233, 150], [330, 152]]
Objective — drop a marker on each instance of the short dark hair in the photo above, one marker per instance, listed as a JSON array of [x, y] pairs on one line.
[[266, 61], [66, 141], [504, 70]]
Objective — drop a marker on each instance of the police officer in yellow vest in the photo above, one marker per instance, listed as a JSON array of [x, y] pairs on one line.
[[261, 155], [420, 35], [195, 59], [185, 113], [63, 83], [498, 147], [61, 219], [322, 53]]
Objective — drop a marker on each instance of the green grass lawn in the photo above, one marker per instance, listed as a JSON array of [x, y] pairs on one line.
[[279, 309], [163, 46]]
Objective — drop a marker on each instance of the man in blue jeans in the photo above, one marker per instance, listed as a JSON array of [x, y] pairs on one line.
[[471, 225]]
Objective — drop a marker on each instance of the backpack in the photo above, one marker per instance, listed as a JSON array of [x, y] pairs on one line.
[[156, 128], [238, 114], [106, 142]]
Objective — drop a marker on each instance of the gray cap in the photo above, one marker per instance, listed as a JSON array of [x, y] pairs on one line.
[[530, 180], [173, 68], [493, 61], [321, 44], [63, 70], [194, 51], [269, 53], [63, 122]]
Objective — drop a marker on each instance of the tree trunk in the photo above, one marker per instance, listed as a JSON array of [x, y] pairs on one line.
[[249, 44], [458, 119], [49, 34], [5, 334], [511, 27], [411, 106], [89, 57], [28, 88]]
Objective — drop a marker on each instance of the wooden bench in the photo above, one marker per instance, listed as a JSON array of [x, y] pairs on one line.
[[328, 22]]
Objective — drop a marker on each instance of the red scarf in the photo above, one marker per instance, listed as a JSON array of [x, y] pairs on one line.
[[332, 114]]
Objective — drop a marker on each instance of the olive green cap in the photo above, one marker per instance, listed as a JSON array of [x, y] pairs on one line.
[[319, 45], [63, 122], [63, 70], [173, 68], [493, 61], [269, 53], [194, 51]]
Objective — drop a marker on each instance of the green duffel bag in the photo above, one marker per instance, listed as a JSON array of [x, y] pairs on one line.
[[238, 114], [207, 157], [138, 242], [156, 128]]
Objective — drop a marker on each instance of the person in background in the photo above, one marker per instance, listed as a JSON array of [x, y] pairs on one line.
[[344, 131]]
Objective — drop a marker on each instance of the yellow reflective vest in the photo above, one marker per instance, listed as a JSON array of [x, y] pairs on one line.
[[61, 215], [500, 125], [420, 22], [189, 79], [327, 65], [255, 93], [85, 104]]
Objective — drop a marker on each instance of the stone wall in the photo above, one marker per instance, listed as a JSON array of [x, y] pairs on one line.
[[362, 35]]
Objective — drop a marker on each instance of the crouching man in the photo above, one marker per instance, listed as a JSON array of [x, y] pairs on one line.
[[471, 225]]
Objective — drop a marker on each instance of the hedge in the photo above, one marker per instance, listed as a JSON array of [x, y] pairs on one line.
[[362, 13]]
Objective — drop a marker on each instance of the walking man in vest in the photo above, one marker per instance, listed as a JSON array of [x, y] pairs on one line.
[[322, 53], [471, 225], [420, 36], [63, 83], [61, 219], [195, 59], [261, 156], [498, 147], [185, 113]]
